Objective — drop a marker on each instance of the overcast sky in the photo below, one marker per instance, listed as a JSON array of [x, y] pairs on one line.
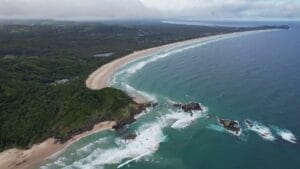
[[161, 9]]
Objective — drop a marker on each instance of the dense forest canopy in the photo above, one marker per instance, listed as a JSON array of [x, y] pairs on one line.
[[44, 64]]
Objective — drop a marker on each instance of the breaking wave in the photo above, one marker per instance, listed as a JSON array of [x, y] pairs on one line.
[[180, 119], [133, 66], [91, 146], [148, 139], [151, 135], [140, 63], [285, 134], [263, 131], [147, 142], [137, 93], [220, 128]]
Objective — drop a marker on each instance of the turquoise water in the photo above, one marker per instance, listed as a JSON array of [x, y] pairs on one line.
[[253, 76]]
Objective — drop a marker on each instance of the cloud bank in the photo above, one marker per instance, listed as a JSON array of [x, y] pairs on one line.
[[162, 9]]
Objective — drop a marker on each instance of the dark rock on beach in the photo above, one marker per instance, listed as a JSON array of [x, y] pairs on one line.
[[231, 125], [189, 107]]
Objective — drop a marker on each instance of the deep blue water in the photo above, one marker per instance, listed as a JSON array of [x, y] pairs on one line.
[[254, 76]]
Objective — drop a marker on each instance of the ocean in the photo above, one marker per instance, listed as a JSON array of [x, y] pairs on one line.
[[254, 76]]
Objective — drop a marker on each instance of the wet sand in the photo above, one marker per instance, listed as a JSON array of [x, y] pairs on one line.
[[27, 159]]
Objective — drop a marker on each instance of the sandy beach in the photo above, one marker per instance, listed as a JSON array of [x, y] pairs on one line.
[[101, 77], [27, 159]]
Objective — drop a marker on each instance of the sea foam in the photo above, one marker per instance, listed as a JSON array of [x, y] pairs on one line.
[[138, 64], [149, 137], [134, 92], [262, 130], [285, 134], [183, 119]]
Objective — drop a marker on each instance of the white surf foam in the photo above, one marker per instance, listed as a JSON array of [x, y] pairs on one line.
[[90, 146], [220, 128], [59, 162], [138, 64], [149, 137], [263, 131], [62, 161], [134, 92], [143, 62], [135, 65], [285, 134], [147, 142], [235, 133], [183, 119], [131, 160], [137, 116]]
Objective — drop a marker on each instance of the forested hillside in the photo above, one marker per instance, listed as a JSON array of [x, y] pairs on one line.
[[43, 67]]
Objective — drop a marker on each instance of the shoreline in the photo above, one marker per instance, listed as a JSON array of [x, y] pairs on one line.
[[50, 148], [101, 77]]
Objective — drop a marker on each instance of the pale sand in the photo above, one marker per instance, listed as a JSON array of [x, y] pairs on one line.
[[101, 77], [27, 159]]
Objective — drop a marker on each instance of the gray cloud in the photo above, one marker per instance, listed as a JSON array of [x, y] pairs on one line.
[[75, 9], [113, 9]]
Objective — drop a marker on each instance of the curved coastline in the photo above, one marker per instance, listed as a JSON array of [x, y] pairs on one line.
[[100, 78]]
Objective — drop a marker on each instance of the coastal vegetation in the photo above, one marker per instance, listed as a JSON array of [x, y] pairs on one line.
[[44, 64]]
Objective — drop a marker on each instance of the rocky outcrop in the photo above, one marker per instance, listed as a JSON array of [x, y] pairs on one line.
[[130, 136], [231, 125], [151, 104], [137, 109], [121, 123], [189, 107]]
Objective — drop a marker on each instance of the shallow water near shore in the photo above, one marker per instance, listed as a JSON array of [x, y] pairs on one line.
[[254, 76]]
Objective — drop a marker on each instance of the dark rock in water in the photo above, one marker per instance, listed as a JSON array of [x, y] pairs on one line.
[[130, 136], [249, 123], [231, 125], [151, 104], [121, 123], [189, 107]]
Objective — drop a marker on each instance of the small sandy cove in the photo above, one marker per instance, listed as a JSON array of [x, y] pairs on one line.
[[27, 159]]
